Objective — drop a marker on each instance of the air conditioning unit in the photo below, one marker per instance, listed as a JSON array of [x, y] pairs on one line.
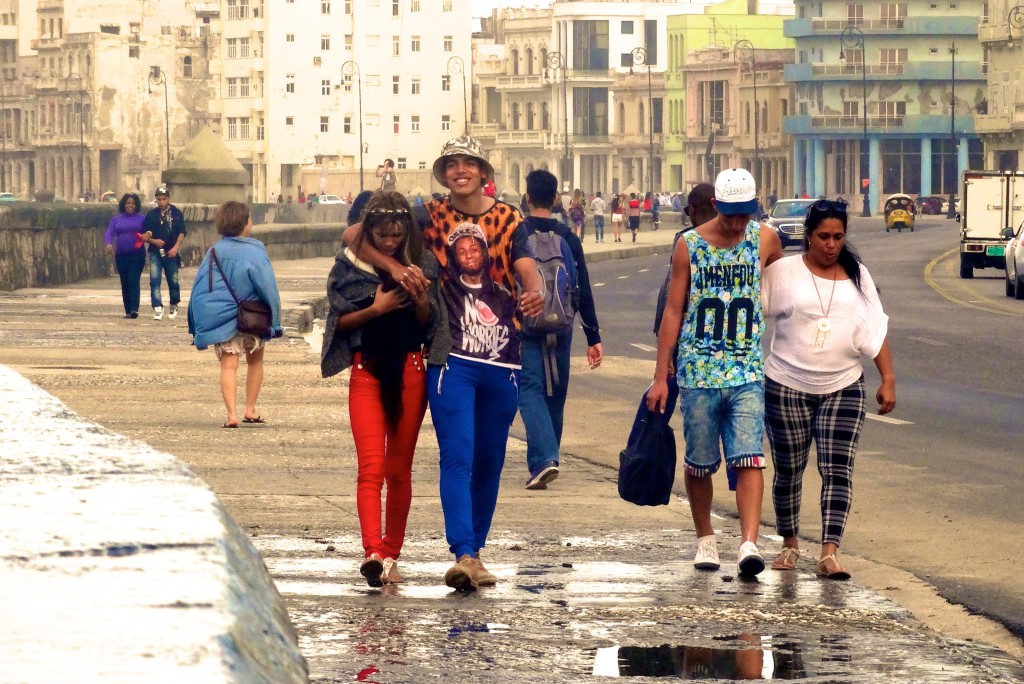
[[317, 61]]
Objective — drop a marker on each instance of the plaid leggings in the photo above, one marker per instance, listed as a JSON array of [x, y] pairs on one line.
[[834, 420]]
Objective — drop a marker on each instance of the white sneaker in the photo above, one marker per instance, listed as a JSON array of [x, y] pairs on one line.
[[707, 553], [173, 312], [158, 313], [749, 562]]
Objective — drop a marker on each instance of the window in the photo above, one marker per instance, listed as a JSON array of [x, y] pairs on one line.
[[348, 42], [890, 110], [394, 8], [238, 9], [414, 5], [243, 128], [232, 48], [325, 43], [590, 46], [186, 67], [855, 15], [346, 124], [851, 109], [446, 122], [261, 131], [415, 90], [396, 120], [324, 123], [395, 84], [446, 83], [243, 48], [348, 6], [289, 121], [447, 44], [414, 123], [232, 128], [289, 83], [133, 51], [626, 28], [325, 86], [243, 87], [347, 82], [325, 6], [401, 163], [446, 5], [396, 46], [422, 165], [289, 37], [414, 44], [232, 87]]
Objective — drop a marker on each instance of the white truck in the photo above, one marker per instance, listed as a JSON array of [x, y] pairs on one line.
[[992, 201]]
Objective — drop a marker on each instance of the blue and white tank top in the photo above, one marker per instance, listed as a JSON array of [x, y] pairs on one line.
[[720, 340]]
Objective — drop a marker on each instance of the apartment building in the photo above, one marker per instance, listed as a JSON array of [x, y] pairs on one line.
[[1000, 116], [886, 95], [314, 94]]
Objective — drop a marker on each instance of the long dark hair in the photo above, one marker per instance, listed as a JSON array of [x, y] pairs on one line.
[[848, 259], [124, 200]]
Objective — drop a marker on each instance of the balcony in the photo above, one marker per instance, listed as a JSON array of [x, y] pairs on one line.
[[522, 82], [992, 123], [866, 25], [536, 138], [935, 125], [825, 27], [936, 70]]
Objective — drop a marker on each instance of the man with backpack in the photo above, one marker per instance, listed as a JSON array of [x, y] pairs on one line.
[[547, 338]]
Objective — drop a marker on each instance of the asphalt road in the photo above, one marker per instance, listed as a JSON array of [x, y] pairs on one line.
[[939, 481]]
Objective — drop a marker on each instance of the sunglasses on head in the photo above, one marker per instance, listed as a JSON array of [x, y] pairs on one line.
[[829, 205]]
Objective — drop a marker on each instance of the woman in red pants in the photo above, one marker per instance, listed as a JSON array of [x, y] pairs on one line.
[[379, 331]]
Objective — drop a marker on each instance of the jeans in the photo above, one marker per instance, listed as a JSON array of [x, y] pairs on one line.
[[598, 227], [157, 264], [729, 419], [472, 405], [384, 454], [542, 415], [129, 270]]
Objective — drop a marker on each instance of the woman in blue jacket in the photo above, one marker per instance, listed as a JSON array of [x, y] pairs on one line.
[[212, 310], [127, 243]]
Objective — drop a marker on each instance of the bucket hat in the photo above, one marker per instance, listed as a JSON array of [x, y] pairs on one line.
[[464, 145]]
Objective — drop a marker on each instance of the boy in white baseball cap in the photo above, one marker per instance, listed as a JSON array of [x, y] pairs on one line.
[[710, 338]]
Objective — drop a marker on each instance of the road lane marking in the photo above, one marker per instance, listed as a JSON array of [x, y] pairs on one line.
[[643, 270], [931, 281], [887, 419], [597, 284], [643, 347], [625, 277], [927, 340]]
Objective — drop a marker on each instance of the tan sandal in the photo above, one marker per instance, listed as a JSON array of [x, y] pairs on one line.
[[787, 559], [838, 573]]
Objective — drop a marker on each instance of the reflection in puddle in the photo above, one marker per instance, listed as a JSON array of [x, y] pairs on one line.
[[491, 627], [748, 657]]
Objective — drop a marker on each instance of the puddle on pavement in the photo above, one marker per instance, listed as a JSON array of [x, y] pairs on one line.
[[746, 657]]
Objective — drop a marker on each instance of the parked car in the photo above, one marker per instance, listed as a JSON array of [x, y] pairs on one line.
[[8, 197], [931, 205], [1015, 263], [330, 199], [956, 205], [787, 220]]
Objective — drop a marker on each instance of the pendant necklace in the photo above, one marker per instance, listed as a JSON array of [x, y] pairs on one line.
[[824, 324]]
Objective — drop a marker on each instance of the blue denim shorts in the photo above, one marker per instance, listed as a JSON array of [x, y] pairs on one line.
[[730, 419]]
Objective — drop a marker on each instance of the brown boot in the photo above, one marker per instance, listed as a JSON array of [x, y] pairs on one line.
[[461, 576], [483, 577]]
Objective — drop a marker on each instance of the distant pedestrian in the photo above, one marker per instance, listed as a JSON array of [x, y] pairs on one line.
[[577, 213], [544, 379], [710, 339], [386, 173], [617, 214], [600, 207], [166, 226], [773, 199], [634, 214], [379, 331], [126, 243], [814, 385], [242, 262], [655, 211]]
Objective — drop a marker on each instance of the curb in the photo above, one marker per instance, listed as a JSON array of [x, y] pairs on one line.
[[120, 564]]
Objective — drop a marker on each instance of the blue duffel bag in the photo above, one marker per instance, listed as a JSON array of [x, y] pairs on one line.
[[647, 466]]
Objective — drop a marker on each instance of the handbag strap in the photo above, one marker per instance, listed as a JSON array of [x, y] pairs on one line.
[[213, 256]]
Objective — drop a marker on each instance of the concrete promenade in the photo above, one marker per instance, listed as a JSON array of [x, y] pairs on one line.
[[590, 585]]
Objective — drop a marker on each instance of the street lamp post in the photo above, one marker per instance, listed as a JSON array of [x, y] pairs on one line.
[[157, 76], [748, 47], [457, 66], [81, 128], [640, 58], [1014, 20], [853, 37], [951, 211], [348, 69], [556, 60]]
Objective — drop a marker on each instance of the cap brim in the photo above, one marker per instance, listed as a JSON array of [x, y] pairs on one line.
[[732, 208]]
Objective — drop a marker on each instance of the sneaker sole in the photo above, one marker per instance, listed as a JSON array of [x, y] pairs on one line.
[[751, 566], [707, 565], [543, 479]]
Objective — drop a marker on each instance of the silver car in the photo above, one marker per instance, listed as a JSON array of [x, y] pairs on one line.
[[1015, 263], [787, 220]]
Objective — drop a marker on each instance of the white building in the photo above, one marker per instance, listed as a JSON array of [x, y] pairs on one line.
[[304, 82]]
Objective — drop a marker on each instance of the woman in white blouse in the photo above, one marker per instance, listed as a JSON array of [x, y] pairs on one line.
[[827, 316]]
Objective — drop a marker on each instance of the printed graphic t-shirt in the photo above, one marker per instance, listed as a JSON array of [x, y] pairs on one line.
[[720, 341]]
